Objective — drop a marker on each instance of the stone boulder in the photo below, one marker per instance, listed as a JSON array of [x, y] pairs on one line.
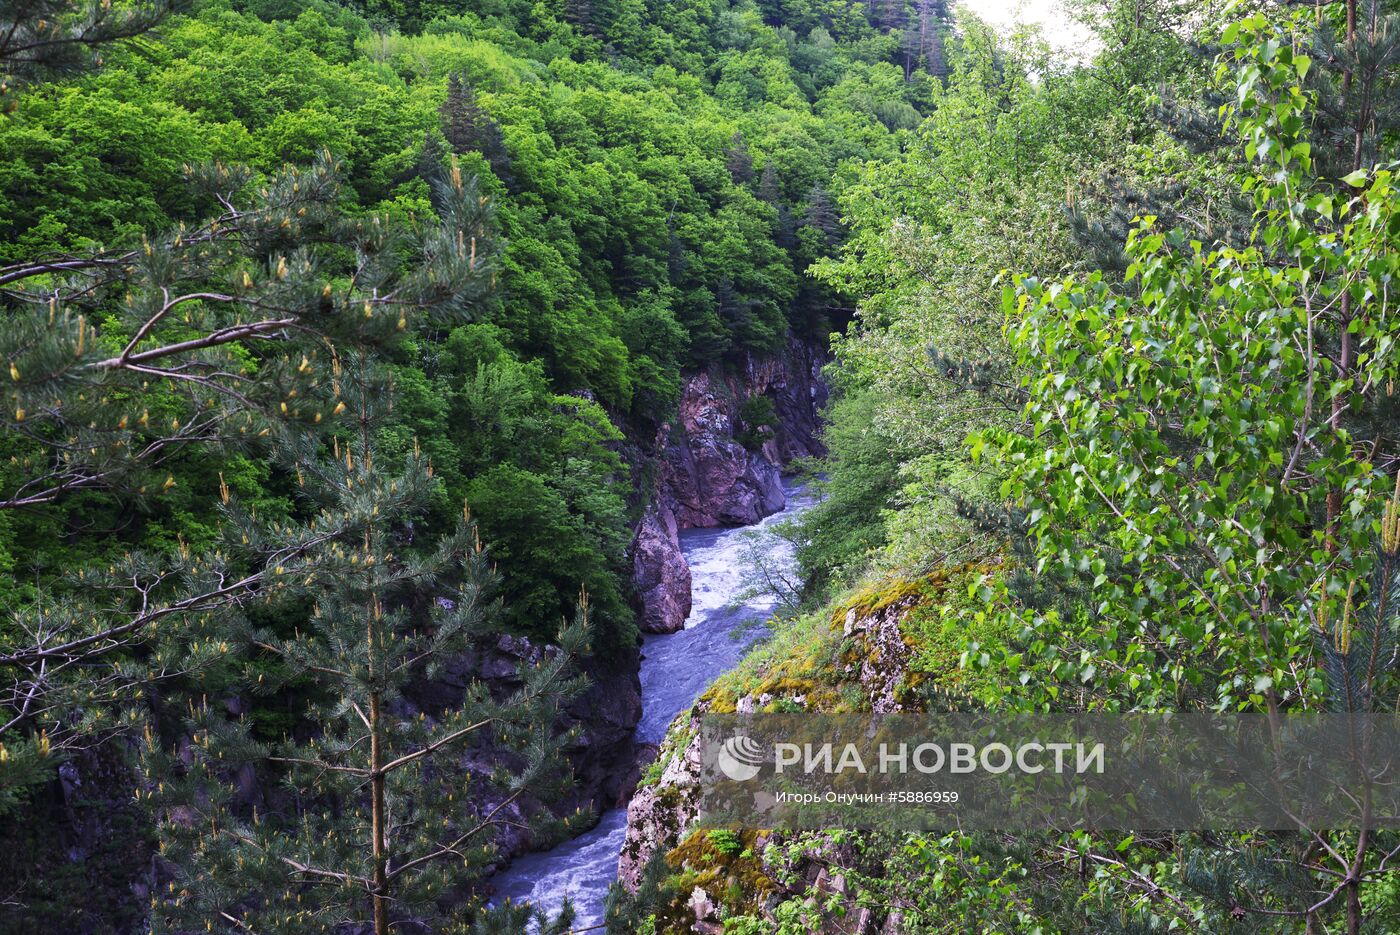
[[660, 571]]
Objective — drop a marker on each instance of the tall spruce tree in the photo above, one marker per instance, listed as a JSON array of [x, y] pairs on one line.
[[468, 128], [933, 21], [770, 188], [821, 216], [891, 15], [737, 160]]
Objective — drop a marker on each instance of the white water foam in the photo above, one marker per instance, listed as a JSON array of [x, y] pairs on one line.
[[676, 669]]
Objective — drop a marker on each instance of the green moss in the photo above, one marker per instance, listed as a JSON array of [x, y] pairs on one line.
[[939, 629], [724, 864], [810, 656], [798, 659], [677, 738], [873, 598]]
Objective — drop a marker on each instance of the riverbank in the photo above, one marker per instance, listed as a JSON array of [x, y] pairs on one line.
[[676, 669]]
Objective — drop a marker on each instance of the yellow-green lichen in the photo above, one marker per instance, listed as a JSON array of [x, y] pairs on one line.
[[811, 658], [880, 595]]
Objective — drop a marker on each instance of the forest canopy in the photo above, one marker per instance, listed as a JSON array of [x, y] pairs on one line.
[[345, 344]]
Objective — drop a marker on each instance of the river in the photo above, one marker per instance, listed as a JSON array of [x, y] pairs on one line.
[[676, 669]]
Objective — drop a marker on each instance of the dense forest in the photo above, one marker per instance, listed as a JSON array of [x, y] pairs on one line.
[[362, 361]]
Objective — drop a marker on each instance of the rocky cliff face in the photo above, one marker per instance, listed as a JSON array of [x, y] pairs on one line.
[[659, 570], [605, 717], [661, 811], [872, 664], [708, 477]]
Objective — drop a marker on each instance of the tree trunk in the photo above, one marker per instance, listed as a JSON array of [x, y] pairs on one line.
[[1334, 496], [376, 757]]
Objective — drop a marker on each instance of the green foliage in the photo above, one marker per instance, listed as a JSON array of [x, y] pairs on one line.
[[630, 248], [374, 828], [1179, 445], [127, 367], [726, 842], [759, 419], [1238, 505], [848, 522], [48, 39], [979, 187], [1180, 448]]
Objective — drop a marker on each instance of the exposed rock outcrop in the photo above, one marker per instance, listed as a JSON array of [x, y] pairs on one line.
[[660, 571], [660, 811], [708, 476], [879, 659], [873, 656], [604, 754], [794, 383]]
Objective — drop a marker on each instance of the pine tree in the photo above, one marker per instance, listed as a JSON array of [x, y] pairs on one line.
[[381, 824], [468, 128], [734, 310], [911, 47], [737, 160], [933, 20], [1358, 649], [1357, 49], [627, 912], [215, 337], [45, 39], [1360, 655], [890, 15], [1354, 50], [579, 14], [821, 216], [770, 189]]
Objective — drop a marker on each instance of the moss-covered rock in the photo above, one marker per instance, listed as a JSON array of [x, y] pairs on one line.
[[892, 645]]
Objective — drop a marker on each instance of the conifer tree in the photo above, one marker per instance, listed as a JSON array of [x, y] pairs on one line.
[[45, 39], [933, 20], [734, 310], [890, 14], [579, 14], [380, 824], [1357, 48], [468, 128], [785, 231], [737, 160], [770, 189], [911, 49], [821, 216], [432, 158], [215, 337]]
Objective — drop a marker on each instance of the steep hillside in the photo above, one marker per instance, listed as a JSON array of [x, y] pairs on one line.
[[645, 357]]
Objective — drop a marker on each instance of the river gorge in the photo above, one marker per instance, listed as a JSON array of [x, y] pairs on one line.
[[676, 668]]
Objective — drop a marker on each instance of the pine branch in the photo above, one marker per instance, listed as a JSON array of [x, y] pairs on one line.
[[434, 747]]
